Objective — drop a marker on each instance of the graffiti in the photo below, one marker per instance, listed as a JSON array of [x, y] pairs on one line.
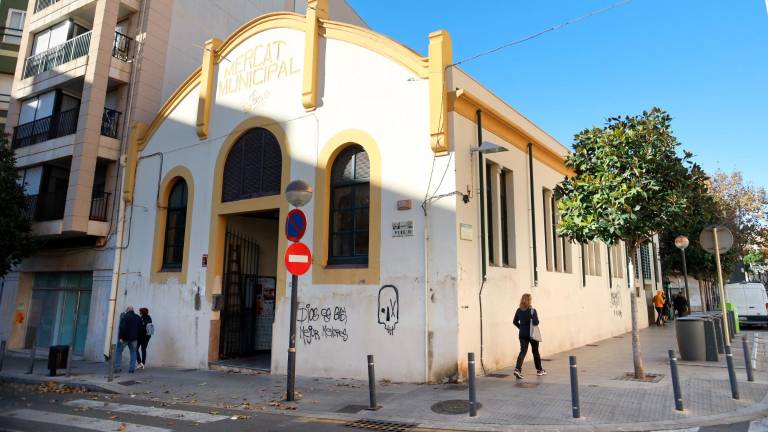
[[318, 323], [389, 308], [616, 303]]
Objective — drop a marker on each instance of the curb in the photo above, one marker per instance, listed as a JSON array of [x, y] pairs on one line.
[[25, 379]]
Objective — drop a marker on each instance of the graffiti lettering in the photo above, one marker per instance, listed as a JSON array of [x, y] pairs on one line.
[[616, 303], [331, 323], [309, 334]]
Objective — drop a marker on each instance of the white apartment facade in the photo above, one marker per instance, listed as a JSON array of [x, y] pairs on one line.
[[87, 69]]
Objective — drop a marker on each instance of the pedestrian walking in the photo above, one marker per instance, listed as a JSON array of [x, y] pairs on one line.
[[145, 333], [669, 314], [128, 335], [658, 303], [527, 321], [681, 305]]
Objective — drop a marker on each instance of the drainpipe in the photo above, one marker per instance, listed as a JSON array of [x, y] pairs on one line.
[[483, 263], [533, 214], [426, 293]]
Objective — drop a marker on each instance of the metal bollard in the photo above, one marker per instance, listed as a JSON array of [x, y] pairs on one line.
[[747, 359], [574, 387], [731, 372], [755, 348], [2, 354], [675, 381], [111, 363], [32, 358], [471, 383], [372, 385]]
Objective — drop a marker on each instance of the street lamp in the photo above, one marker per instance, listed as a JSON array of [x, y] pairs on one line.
[[681, 242], [297, 193]]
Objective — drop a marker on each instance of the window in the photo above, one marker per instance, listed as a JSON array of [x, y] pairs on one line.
[[175, 227], [489, 171], [591, 257], [616, 260], [506, 189], [548, 245], [253, 168], [558, 248], [350, 202], [645, 260], [14, 23]]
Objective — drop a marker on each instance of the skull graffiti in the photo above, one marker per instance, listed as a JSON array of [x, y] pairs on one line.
[[389, 308]]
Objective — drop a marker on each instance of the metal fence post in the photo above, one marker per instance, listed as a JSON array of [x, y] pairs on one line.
[[32, 358], [747, 359], [372, 405], [111, 363], [731, 372], [675, 381], [471, 383], [575, 405]]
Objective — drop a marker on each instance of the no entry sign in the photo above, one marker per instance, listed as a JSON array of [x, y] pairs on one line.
[[298, 259], [295, 225]]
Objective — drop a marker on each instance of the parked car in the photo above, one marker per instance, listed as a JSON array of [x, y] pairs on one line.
[[751, 302]]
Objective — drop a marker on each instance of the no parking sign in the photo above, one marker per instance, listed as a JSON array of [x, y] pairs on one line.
[[295, 225]]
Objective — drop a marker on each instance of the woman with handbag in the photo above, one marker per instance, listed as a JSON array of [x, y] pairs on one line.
[[527, 320]]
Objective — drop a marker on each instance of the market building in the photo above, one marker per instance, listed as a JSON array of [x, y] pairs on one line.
[[432, 212], [86, 70]]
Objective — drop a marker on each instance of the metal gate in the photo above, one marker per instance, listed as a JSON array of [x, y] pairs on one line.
[[240, 292]]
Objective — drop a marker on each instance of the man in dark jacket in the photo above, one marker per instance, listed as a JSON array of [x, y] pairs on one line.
[[681, 305], [128, 335]]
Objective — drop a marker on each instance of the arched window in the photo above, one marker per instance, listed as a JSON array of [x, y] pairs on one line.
[[175, 226], [253, 167], [350, 200]]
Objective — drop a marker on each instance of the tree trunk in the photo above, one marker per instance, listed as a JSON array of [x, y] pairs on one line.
[[637, 355]]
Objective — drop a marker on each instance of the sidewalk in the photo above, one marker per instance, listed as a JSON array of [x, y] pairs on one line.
[[536, 403]]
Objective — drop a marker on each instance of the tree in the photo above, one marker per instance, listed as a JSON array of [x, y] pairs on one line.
[[629, 184], [744, 209], [15, 241]]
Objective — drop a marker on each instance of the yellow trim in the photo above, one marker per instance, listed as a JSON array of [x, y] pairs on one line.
[[138, 130], [440, 56], [329, 29], [466, 104], [316, 10], [205, 98], [170, 179], [377, 43], [221, 209], [322, 274]]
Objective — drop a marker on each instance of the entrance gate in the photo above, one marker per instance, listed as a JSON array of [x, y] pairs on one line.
[[242, 297]]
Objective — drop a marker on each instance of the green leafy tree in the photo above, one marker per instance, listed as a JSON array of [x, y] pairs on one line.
[[15, 242], [629, 184]]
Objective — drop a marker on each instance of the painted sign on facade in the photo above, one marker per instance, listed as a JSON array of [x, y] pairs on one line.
[[257, 65]]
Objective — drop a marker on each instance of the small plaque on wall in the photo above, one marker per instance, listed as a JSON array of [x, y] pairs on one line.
[[466, 232], [402, 229]]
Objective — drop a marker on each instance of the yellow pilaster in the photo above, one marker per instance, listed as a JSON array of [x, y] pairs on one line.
[[205, 100], [440, 56], [138, 130], [316, 10]]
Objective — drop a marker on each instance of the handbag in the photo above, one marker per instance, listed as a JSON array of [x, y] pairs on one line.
[[535, 332]]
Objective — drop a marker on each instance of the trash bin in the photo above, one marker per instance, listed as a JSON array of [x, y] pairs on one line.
[[710, 336], [57, 358], [719, 335], [730, 307], [690, 338], [732, 323]]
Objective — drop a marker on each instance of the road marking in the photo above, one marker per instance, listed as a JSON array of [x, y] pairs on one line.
[[682, 430], [79, 421], [758, 425], [165, 413]]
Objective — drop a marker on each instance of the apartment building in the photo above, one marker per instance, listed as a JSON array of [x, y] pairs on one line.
[[12, 15], [87, 70]]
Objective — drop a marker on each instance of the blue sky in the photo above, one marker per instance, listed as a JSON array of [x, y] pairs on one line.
[[704, 61]]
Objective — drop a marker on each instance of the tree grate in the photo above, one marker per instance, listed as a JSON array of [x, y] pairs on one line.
[[379, 425], [453, 407], [129, 382], [352, 409], [649, 377]]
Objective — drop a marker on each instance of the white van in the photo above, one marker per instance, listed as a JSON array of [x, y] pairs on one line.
[[750, 301]]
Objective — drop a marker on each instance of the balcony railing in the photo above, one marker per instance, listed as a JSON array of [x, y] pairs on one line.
[[46, 206], [109, 122], [11, 35], [42, 4], [100, 206], [121, 48], [58, 55], [44, 129]]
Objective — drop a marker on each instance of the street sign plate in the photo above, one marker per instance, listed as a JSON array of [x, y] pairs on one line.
[[295, 225], [298, 259], [724, 238]]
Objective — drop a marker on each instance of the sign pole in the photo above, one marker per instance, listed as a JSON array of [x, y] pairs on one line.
[[292, 339], [722, 290]]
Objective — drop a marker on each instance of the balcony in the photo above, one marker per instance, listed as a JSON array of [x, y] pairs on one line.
[[58, 55], [42, 4], [109, 122], [100, 206], [121, 47], [46, 206], [46, 128]]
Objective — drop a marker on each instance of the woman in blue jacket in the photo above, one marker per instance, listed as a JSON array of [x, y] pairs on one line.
[[524, 317]]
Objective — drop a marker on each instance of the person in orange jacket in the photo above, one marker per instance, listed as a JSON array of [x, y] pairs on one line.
[[658, 303]]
